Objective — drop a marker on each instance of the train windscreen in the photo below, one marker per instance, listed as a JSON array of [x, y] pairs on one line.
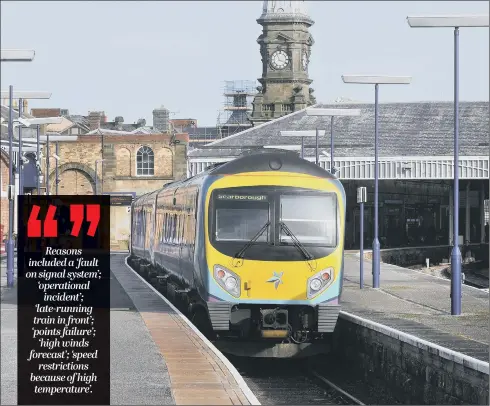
[[241, 217], [311, 219]]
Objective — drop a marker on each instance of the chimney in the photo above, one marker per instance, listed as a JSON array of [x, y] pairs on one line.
[[161, 119], [94, 119], [103, 118], [118, 122], [39, 113]]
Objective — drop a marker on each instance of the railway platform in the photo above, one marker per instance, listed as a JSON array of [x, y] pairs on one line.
[[157, 356], [418, 304]]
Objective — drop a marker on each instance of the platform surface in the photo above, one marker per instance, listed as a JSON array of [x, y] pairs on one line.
[[196, 374], [156, 358], [420, 305]]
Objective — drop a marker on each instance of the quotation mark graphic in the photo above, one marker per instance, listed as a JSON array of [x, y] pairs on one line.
[[77, 216]]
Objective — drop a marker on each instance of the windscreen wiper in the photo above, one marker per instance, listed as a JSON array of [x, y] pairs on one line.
[[240, 253], [296, 242]]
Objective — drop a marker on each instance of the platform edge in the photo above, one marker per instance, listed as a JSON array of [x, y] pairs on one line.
[[463, 359], [233, 371], [358, 256]]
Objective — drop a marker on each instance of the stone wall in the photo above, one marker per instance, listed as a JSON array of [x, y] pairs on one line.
[[417, 255], [77, 170], [414, 372]]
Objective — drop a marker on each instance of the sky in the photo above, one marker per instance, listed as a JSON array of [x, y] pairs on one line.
[[127, 58]]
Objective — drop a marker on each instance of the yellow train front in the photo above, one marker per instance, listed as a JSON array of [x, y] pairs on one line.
[[268, 254]]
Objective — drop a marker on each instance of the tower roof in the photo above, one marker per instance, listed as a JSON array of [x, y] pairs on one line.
[[294, 10], [277, 8]]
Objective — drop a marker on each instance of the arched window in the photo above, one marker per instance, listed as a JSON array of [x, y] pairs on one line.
[[145, 163]]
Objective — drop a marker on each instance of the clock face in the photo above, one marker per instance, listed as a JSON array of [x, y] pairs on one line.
[[279, 60], [304, 61]]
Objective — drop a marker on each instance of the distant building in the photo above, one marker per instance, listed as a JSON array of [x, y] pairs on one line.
[[114, 157]]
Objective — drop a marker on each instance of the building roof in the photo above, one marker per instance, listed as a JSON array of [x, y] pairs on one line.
[[78, 119], [59, 128], [26, 132], [15, 113], [134, 131], [405, 129]]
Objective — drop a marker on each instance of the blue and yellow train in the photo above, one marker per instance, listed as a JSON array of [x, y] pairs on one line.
[[252, 250]]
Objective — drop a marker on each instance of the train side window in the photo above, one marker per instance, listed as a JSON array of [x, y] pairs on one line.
[[179, 227], [174, 229], [196, 204], [162, 228], [171, 229], [186, 228], [167, 228], [182, 228]]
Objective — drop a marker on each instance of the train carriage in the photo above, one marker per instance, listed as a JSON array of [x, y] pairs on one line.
[[251, 249]]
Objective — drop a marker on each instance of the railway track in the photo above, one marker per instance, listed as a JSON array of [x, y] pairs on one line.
[[290, 382], [299, 381]]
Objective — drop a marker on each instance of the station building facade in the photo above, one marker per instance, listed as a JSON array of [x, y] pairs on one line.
[[416, 166]]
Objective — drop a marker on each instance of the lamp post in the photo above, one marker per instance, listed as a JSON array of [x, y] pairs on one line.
[[56, 138], [11, 193], [38, 159], [21, 96], [332, 113], [376, 81], [12, 55], [21, 164], [476, 21], [361, 199], [57, 158], [47, 165], [37, 122], [302, 134]]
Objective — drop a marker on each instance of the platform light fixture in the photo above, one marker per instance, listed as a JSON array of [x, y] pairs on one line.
[[28, 95], [17, 55], [455, 22], [332, 113], [302, 134], [376, 80]]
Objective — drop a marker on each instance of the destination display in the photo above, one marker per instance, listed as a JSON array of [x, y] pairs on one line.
[[242, 197], [63, 300]]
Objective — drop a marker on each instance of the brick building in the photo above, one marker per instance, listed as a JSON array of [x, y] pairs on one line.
[[133, 164]]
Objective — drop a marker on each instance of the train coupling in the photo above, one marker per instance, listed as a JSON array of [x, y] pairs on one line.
[[274, 323]]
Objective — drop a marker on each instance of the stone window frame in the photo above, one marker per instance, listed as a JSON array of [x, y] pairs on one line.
[[149, 168]]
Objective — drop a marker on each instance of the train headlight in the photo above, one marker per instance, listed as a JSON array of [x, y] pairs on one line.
[[228, 280], [319, 282], [230, 283], [315, 284]]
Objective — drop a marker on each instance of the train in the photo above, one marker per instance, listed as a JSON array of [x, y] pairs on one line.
[[250, 250]]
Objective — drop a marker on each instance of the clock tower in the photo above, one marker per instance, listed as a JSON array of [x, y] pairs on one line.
[[285, 47]]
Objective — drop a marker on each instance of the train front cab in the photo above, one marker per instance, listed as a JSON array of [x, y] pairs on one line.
[[275, 297]]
